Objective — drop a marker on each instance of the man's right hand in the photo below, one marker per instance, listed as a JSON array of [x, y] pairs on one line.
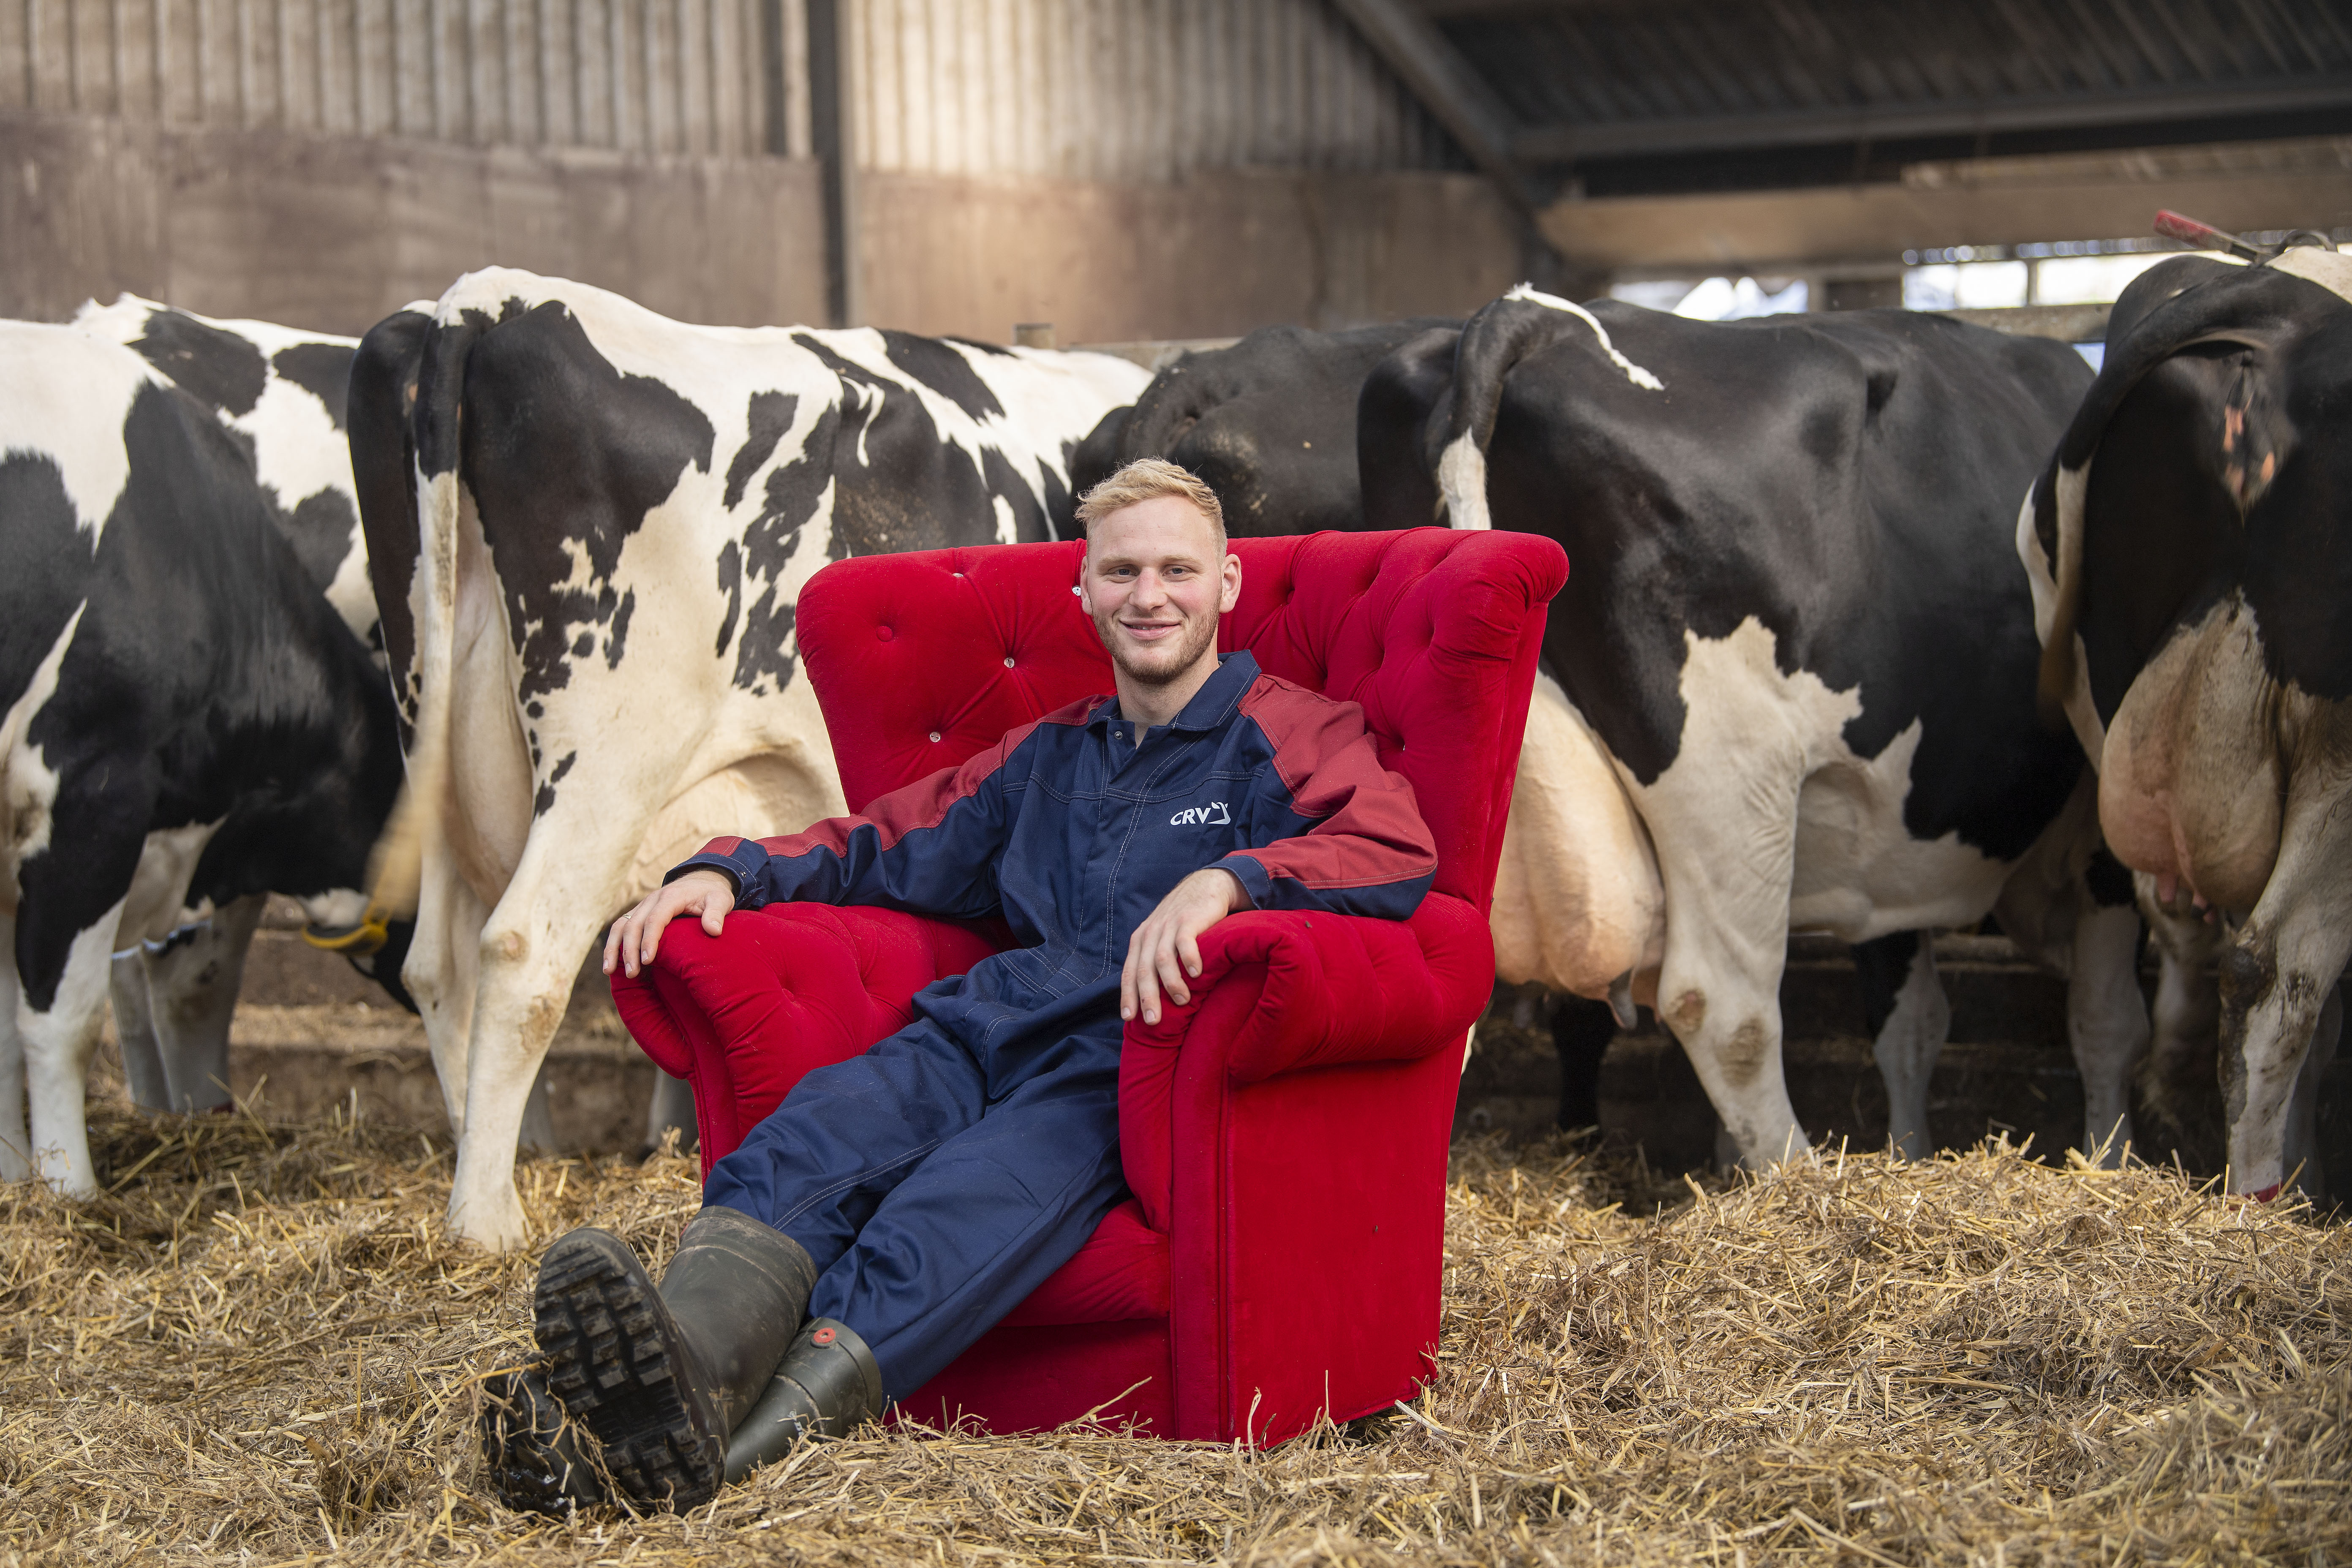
[[635, 936]]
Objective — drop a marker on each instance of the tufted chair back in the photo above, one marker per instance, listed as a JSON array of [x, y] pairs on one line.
[[921, 660]]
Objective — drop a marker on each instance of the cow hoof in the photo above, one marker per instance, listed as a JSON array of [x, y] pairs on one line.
[[495, 1227]]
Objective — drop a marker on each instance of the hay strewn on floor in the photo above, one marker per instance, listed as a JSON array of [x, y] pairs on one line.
[[259, 1347]]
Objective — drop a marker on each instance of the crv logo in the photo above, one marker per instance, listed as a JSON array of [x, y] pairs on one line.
[[1214, 814]]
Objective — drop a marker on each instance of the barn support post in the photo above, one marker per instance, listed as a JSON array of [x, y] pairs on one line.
[[831, 64], [1409, 44]]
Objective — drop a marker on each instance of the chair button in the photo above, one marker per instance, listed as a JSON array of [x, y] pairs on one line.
[[883, 634], [935, 734], [1008, 661]]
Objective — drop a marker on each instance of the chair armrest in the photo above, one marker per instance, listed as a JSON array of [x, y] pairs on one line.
[[1329, 989], [1282, 992], [743, 1015]]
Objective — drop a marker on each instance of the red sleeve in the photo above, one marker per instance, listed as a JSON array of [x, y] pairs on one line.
[[1337, 830]]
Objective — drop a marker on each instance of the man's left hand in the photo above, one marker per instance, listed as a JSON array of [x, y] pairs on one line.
[[1165, 950]]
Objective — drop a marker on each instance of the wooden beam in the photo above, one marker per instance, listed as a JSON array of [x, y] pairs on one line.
[[1782, 231], [1888, 122], [1444, 81]]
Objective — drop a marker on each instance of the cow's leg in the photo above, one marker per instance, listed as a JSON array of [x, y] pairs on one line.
[[2106, 1024], [1581, 1029], [440, 970], [135, 1031], [669, 1107], [58, 1041], [192, 984], [16, 1141], [1726, 870], [2277, 978], [571, 870], [2301, 1154], [537, 1134], [2179, 1085], [1909, 1017]]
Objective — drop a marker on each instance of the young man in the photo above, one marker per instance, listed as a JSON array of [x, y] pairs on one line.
[[898, 1204]]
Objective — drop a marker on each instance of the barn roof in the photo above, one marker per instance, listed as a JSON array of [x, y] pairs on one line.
[[1627, 96]]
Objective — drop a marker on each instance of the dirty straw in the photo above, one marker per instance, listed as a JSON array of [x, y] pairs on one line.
[[259, 1347]]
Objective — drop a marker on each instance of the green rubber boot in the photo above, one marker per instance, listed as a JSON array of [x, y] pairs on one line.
[[532, 1449], [827, 1386], [661, 1377]]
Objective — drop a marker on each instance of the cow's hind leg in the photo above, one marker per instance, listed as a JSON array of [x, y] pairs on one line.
[[2180, 1085], [2277, 979], [440, 970], [192, 977], [1909, 1019], [571, 870], [134, 1033], [1727, 878], [670, 1107], [2301, 1154], [1581, 1029], [2106, 1024], [16, 1141], [57, 1042]]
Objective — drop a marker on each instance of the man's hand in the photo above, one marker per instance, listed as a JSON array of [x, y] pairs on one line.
[[1165, 950], [635, 936]]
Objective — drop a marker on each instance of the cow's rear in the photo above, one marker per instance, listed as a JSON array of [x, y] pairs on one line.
[[2186, 543], [606, 518]]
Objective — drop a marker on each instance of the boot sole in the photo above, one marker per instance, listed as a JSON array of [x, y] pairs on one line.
[[613, 1367], [531, 1460]]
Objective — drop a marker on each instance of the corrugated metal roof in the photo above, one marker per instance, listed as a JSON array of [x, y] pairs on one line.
[[1129, 89], [1592, 79]]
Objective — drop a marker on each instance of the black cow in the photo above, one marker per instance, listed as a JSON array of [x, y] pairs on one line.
[[1269, 423], [188, 721], [2195, 635], [1795, 665]]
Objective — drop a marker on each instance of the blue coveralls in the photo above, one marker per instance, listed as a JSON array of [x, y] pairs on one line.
[[937, 1180]]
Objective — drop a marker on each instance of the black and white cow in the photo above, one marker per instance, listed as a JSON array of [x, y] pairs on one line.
[[588, 531], [187, 722], [1795, 671], [2191, 576], [1269, 423], [279, 393]]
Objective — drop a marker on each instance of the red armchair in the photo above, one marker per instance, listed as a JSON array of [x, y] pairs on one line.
[[1285, 1135]]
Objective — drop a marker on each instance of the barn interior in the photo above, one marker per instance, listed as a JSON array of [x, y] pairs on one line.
[[1126, 173], [1151, 175]]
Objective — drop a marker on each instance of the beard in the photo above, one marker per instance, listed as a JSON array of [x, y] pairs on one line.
[[1165, 664]]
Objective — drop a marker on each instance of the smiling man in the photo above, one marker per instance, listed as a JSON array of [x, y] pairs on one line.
[[898, 1204]]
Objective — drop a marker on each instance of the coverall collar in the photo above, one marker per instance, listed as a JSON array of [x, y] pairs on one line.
[[1209, 707]]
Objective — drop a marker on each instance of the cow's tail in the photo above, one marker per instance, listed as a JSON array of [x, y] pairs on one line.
[[1521, 323], [397, 877], [2254, 307]]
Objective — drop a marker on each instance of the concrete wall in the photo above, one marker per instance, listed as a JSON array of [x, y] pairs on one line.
[[334, 232], [1210, 256]]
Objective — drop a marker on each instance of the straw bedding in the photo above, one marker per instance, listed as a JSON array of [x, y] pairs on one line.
[[259, 1347]]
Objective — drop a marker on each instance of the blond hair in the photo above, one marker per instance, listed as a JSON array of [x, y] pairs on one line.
[[1148, 478]]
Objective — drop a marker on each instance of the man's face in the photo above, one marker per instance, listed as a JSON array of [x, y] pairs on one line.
[[1155, 584]]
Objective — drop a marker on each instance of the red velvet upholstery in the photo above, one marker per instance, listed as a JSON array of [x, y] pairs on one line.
[[1284, 1136]]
